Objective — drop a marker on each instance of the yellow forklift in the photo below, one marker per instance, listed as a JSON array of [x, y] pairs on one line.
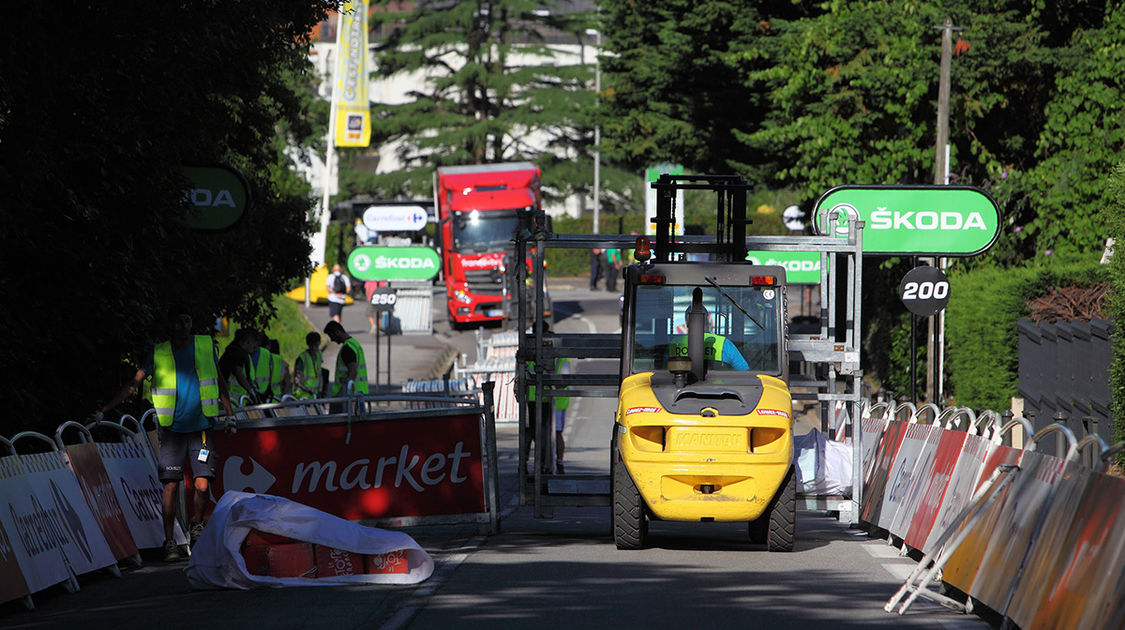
[[703, 429]]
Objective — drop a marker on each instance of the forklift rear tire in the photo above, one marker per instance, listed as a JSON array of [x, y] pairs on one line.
[[777, 526], [630, 525]]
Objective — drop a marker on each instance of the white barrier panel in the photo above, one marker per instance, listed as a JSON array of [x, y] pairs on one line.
[[934, 487], [59, 500], [86, 465], [962, 483], [902, 473], [36, 538], [873, 429], [923, 470], [138, 491], [875, 483]]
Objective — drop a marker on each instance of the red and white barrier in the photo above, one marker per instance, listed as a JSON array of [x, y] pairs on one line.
[[86, 464], [1047, 550]]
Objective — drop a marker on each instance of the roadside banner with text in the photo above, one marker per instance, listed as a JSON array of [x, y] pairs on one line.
[[32, 528], [393, 263], [352, 126], [138, 490], [100, 497], [919, 220], [12, 582], [59, 498], [366, 469]]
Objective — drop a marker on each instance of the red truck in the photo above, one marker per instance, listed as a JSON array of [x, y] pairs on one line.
[[476, 211]]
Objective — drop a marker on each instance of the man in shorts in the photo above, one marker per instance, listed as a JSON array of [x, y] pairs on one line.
[[339, 286], [186, 393]]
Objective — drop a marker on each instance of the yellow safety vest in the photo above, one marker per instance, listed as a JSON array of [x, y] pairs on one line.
[[260, 371], [164, 379], [277, 370], [561, 402], [342, 369], [309, 363], [712, 349]]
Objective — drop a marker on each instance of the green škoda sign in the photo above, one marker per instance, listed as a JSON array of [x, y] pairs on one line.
[[393, 263], [800, 267], [219, 195], [913, 220]]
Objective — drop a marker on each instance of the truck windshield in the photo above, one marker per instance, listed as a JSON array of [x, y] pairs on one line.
[[733, 341], [483, 230]]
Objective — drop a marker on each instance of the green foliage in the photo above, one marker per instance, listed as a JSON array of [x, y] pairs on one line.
[[288, 326], [90, 165], [984, 307], [1113, 214], [491, 74], [1082, 139]]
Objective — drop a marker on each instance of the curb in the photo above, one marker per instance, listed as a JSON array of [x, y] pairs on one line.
[[441, 365]]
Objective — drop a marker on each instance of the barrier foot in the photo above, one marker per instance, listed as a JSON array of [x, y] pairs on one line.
[[136, 560], [113, 570], [71, 584], [28, 603]]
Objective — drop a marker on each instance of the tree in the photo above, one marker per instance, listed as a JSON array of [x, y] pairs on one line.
[[96, 123], [493, 86]]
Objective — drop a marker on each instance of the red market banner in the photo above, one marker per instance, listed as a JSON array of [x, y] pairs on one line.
[[98, 490], [365, 469], [964, 478]]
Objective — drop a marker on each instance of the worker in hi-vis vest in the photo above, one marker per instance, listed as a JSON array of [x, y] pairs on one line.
[[306, 369], [186, 393], [716, 349], [351, 365]]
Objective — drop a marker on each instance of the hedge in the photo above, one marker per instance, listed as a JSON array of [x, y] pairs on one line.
[[982, 347]]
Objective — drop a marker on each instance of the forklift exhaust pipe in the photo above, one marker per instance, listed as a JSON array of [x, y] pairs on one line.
[[697, 326]]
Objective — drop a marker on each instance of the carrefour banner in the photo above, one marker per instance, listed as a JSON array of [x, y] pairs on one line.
[[352, 125]]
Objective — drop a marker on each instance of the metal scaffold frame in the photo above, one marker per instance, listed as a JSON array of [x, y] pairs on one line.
[[831, 356]]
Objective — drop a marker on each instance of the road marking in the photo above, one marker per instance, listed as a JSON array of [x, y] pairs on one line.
[[882, 551], [900, 571]]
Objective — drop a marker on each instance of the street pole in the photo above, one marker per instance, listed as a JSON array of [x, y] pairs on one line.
[[597, 127], [941, 178]]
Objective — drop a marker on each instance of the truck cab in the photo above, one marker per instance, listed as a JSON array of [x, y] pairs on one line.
[[477, 209]]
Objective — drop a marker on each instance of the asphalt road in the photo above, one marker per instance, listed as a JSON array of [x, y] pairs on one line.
[[562, 572]]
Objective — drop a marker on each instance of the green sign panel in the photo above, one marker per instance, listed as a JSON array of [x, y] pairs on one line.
[[219, 195], [393, 263], [800, 267], [913, 220]]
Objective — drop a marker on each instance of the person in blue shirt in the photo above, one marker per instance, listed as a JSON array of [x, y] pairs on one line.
[[716, 349], [186, 393]]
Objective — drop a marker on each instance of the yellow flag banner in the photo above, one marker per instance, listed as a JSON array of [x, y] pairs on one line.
[[352, 125]]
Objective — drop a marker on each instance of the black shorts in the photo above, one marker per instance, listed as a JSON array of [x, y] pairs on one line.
[[335, 308], [180, 449]]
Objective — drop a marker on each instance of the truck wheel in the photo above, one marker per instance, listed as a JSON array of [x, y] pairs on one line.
[[629, 523], [782, 513]]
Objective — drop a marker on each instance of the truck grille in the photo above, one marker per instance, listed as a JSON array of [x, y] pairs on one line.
[[481, 283]]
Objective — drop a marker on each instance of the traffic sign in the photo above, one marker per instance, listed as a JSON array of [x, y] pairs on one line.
[[383, 299], [913, 220], [393, 263], [395, 218], [219, 195], [924, 290]]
